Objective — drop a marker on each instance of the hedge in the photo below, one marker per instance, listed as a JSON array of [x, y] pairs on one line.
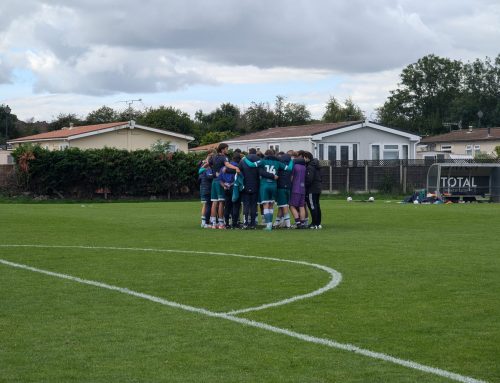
[[83, 173]]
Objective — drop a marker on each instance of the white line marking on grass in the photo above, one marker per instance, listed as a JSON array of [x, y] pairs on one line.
[[335, 276], [260, 325]]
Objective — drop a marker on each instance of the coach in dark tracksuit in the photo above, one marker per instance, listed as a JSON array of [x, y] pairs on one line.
[[313, 189]]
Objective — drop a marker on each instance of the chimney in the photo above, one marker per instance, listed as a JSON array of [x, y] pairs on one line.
[[489, 132], [131, 124], [470, 129], [71, 125]]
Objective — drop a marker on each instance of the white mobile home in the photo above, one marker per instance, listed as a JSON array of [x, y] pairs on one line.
[[341, 141]]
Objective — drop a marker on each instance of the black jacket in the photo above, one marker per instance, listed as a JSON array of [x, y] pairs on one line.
[[252, 175], [313, 177], [285, 176]]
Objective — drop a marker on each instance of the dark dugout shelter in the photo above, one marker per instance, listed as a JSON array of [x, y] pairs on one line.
[[465, 181]]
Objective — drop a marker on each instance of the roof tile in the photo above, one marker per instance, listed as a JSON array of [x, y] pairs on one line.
[[67, 132], [480, 134], [293, 131]]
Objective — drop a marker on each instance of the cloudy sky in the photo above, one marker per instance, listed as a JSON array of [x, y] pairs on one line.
[[74, 56]]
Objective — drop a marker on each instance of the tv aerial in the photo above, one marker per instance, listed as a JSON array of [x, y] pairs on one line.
[[130, 103]]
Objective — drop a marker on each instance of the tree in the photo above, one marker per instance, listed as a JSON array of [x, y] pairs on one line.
[[31, 127], [480, 92], [335, 112], [423, 100], [64, 121], [214, 137], [287, 114], [227, 117], [279, 110], [296, 114], [436, 93], [352, 111], [168, 118], [8, 124], [102, 115], [259, 116], [129, 114]]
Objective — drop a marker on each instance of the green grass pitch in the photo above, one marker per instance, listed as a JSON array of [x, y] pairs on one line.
[[419, 283]]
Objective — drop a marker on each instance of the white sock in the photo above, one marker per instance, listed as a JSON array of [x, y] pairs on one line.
[[286, 218]]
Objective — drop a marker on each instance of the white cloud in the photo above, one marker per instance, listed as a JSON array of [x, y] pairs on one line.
[[357, 36], [42, 61], [97, 48], [5, 71]]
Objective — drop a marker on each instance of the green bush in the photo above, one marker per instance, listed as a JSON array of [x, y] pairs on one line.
[[82, 173]]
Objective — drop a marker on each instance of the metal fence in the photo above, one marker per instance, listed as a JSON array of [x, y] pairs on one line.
[[388, 176], [393, 176]]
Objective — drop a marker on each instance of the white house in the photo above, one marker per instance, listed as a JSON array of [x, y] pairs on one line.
[[460, 144], [340, 141], [120, 135], [5, 157]]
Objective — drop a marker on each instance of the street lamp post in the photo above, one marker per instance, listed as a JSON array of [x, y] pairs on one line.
[[7, 112]]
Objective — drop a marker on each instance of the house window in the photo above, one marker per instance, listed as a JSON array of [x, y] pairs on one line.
[[468, 150], [321, 151], [342, 152], [405, 152], [332, 153], [275, 147], [446, 148], [172, 148], [477, 149], [376, 152], [391, 152], [63, 146]]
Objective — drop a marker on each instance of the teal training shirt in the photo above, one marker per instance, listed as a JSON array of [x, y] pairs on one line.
[[270, 165]]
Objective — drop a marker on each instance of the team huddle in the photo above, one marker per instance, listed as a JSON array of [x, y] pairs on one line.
[[289, 181]]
